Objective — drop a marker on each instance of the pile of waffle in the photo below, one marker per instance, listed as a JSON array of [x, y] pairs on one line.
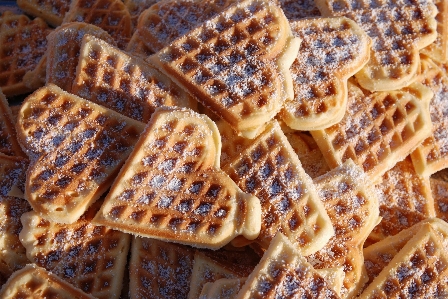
[[224, 149]]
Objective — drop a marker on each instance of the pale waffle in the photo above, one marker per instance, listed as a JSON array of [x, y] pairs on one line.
[[412, 264], [331, 51], [224, 288], [236, 63], [22, 44], [92, 258], [295, 10], [378, 130], [35, 282], [352, 205], [438, 50], [398, 30], [439, 190], [172, 188], [76, 149], [126, 84], [405, 199], [51, 11], [270, 170], [64, 45], [159, 269], [432, 154], [110, 15], [284, 273], [167, 20], [8, 141], [334, 277], [136, 7]]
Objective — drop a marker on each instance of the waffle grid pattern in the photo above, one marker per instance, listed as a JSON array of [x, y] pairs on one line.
[[8, 141], [438, 50], [51, 11], [440, 194], [13, 174], [295, 10]]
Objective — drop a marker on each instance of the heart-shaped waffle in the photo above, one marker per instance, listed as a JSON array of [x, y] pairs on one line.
[[76, 148], [399, 29], [172, 188], [8, 141], [236, 63]]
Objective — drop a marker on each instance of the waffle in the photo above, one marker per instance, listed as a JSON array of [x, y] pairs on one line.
[[51, 11], [22, 44], [331, 51], [34, 282], [334, 278], [76, 149], [432, 155], [378, 130], [128, 85], [270, 170], [171, 187], [159, 269], [295, 10], [12, 176], [36, 78], [224, 288], [439, 190], [8, 141], [136, 7], [64, 45], [90, 257], [236, 63], [438, 50], [284, 273], [398, 30], [110, 15], [352, 205]]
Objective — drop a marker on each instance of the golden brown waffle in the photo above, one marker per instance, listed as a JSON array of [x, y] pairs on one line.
[[64, 45], [331, 51], [284, 273], [439, 190], [8, 141], [352, 205], [398, 31], [378, 130], [36, 78], [35, 282], [50, 10], [90, 257], [405, 199], [126, 84], [76, 149], [270, 170], [136, 7], [432, 155], [110, 15], [12, 175], [295, 10], [224, 288], [159, 269], [236, 64], [22, 44], [172, 188], [438, 50]]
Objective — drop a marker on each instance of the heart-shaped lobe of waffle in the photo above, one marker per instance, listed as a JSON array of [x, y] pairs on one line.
[[352, 205], [52, 11], [378, 129], [126, 84], [438, 50], [92, 258], [76, 149], [270, 170], [172, 188], [22, 44], [63, 50], [398, 29], [8, 141], [331, 51], [236, 64]]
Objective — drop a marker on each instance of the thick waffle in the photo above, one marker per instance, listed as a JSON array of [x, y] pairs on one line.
[[126, 84], [22, 44], [284, 273], [378, 130], [236, 64], [8, 141], [405, 199], [76, 149], [110, 15], [92, 258], [171, 187], [224, 288], [439, 190], [432, 154], [352, 205], [331, 51], [51, 11], [398, 29], [64, 45], [159, 269], [270, 170], [438, 50], [295, 10], [35, 282]]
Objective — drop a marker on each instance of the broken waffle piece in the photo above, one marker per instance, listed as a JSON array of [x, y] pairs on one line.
[[236, 63], [50, 11], [8, 140], [76, 149], [331, 51], [171, 187], [398, 30], [438, 50]]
